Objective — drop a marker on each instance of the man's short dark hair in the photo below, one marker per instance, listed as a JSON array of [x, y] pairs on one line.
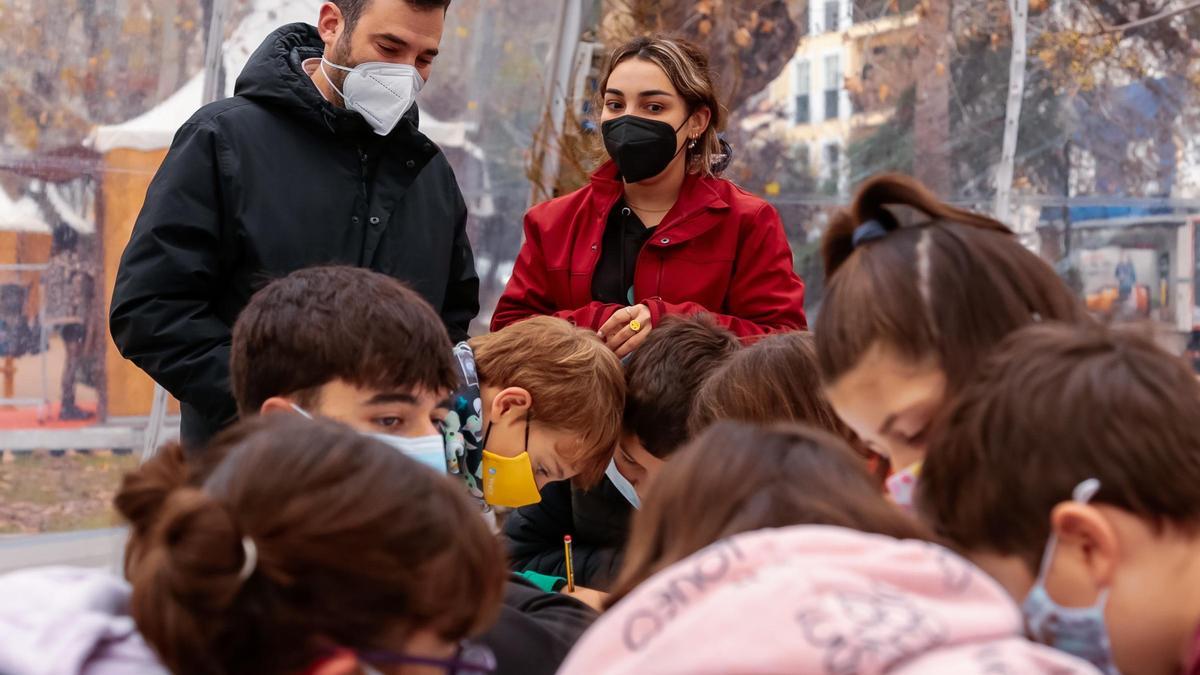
[[352, 9], [336, 323], [1056, 405], [664, 374]]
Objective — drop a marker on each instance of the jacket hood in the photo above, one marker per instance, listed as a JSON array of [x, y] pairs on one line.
[[817, 600], [70, 621], [274, 76]]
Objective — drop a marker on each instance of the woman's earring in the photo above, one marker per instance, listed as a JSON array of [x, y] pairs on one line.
[[691, 144]]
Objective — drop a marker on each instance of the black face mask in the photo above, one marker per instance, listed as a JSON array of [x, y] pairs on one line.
[[641, 147]]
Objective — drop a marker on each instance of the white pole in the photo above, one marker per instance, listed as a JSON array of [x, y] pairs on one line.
[[214, 52], [213, 55], [558, 85], [1019, 10]]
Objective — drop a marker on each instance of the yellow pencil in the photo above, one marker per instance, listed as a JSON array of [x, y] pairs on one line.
[[570, 565]]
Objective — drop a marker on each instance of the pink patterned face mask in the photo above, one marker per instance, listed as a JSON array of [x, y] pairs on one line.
[[903, 484]]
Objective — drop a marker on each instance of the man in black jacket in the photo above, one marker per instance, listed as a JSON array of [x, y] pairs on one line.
[[316, 159]]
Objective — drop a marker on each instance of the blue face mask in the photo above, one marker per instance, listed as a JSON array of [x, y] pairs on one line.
[[1079, 631], [622, 484], [428, 450]]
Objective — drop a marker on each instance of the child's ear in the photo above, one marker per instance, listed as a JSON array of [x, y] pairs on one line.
[[277, 404], [1088, 539], [512, 400]]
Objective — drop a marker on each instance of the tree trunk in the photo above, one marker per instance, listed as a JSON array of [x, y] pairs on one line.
[[931, 124], [1012, 112]]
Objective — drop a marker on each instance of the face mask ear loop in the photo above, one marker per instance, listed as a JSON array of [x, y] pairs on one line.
[[1081, 494], [528, 417], [330, 80], [682, 146]]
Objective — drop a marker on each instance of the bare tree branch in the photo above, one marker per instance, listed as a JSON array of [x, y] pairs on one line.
[[1166, 14]]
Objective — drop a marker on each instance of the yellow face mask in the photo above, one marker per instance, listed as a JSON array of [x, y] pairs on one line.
[[508, 481]]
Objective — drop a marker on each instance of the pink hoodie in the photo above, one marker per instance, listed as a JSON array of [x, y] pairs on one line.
[[820, 600]]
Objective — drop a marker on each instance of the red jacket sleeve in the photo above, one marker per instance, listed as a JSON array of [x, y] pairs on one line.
[[766, 295], [527, 293]]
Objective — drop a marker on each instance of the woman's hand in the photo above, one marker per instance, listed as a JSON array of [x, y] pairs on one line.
[[618, 333]]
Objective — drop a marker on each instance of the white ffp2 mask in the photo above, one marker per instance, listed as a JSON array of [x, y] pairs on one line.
[[380, 92]]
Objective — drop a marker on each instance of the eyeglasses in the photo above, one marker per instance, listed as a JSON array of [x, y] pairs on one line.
[[472, 659]]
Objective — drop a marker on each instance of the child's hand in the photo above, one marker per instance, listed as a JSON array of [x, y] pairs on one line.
[[588, 596]]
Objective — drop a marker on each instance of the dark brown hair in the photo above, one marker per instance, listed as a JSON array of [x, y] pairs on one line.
[[737, 478], [1054, 406], [575, 382], [686, 66], [354, 541], [663, 376], [320, 324], [352, 10], [951, 286]]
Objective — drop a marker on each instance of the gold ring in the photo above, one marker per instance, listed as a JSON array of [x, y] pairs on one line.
[[635, 325]]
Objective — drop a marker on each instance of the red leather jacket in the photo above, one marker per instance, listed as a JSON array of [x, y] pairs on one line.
[[720, 250]]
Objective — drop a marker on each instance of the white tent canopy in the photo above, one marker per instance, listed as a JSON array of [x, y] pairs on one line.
[[21, 215], [154, 129]]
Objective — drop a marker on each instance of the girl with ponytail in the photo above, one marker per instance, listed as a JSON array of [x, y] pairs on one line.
[[918, 293], [294, 554], [298, 554]]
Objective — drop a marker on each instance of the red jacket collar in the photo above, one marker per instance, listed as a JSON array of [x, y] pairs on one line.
[[699, 193]]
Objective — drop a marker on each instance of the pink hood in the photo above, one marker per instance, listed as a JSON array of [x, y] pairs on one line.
[[819, 600]]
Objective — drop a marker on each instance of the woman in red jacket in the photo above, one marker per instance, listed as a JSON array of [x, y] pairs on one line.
[[655, 232]]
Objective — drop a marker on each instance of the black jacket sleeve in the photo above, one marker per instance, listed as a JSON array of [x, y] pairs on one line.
[[596, 521], [535, 629], [462, 286], [162, 316]]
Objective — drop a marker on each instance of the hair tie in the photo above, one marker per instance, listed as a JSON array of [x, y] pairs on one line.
[[868, 231], [251, 559]]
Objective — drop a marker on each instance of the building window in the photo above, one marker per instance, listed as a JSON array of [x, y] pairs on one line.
[[832, 10], [833, 85], [833, 162], [803, 89]]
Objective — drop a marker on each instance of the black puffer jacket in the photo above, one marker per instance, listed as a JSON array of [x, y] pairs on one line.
[[597, 520], [269, 181], [535, 630]]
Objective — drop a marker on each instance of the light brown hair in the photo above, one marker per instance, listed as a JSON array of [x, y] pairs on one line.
[[575, 381], [950, 286], [774, 380], [686, 66], [1056, 405], [663, 376], [738, 478], [305, 493], [322, 324]]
